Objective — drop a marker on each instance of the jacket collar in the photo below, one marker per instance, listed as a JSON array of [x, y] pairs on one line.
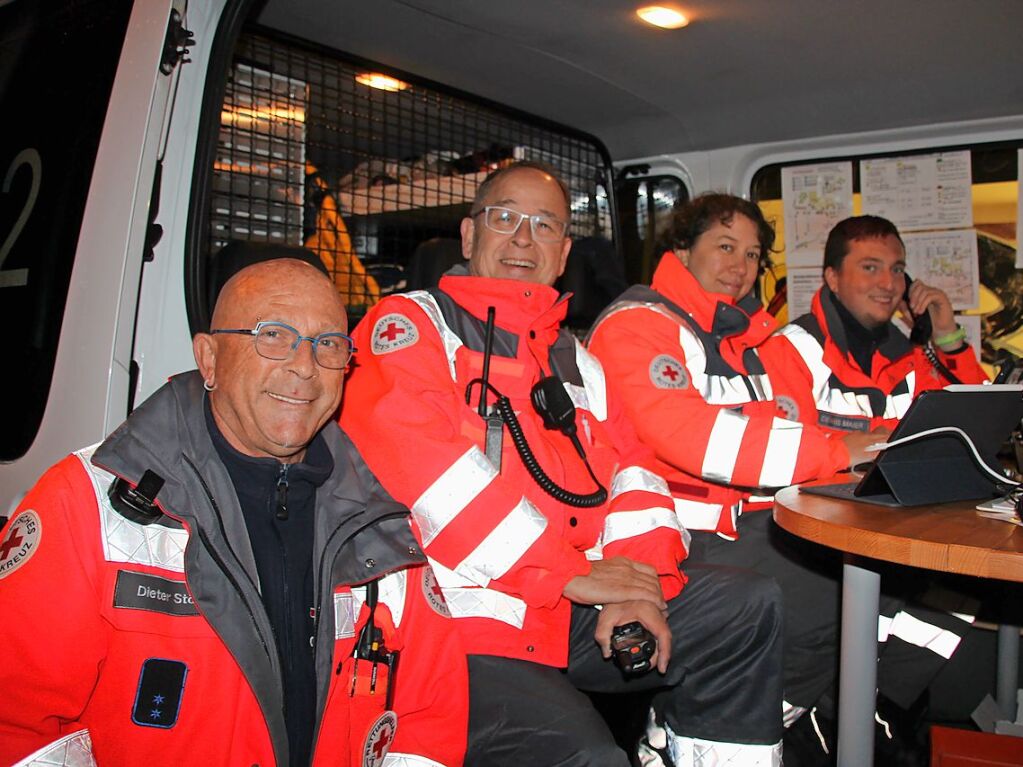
[[168, 434], [531, 311], [742, 324], [845, 332]]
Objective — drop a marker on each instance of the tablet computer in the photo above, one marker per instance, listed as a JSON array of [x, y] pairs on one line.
[[940, 467]]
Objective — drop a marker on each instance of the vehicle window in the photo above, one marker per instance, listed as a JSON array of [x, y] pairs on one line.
[[51, 130], [645, 206], [997, 318], [373, 180]]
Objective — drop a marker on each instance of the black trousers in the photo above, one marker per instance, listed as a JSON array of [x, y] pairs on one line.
[[724, 682], [810, 578]]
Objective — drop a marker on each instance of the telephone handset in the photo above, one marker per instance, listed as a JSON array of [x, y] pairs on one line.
[[922, 328], [921, 333]]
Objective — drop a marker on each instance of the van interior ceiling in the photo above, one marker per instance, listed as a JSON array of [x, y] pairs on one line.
[[743, 72]]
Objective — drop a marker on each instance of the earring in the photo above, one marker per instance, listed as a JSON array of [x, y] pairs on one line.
[[208, 386]]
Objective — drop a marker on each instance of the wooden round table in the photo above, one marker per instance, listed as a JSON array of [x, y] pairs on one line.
[[951, 538]]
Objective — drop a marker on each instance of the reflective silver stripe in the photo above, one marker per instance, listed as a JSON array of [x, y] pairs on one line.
[[466, 600], [627, 305], [485, 603], [451, 492], [409, 760], [790, 713], [344, 615], [637, 478], [628, 524], [837, 401], [922, 634], [715, 389], [896, 405], [593, 382], [811, 352], [696, 752], [448, 578], [781, 454], [451, 342], [74, 750], [125, 541], [884, 627], [723, 446], [695, 515], [391, 593], [505, 545], [827, 399]]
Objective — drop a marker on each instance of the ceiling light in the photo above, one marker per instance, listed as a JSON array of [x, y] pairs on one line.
[[662, 16], [380, 82]]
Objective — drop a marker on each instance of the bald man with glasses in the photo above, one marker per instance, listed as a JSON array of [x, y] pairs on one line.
[[223, 578]]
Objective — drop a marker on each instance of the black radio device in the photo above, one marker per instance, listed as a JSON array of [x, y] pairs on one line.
[[633, 647]]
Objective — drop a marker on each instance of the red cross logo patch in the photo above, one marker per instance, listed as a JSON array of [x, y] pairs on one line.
[[379, 740], [393, 332], [20, 542], [666, 372], [432, 592], [788, 407]]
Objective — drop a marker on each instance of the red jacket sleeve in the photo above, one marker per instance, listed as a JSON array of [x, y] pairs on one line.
[[746, 445], [403, 410], [431, 695], [54, 639], [641, 523], [963, 365]]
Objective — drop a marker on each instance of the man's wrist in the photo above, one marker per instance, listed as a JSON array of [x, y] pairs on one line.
[[953, 341]]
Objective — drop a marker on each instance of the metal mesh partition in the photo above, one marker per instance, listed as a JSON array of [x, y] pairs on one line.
[[374, 180]]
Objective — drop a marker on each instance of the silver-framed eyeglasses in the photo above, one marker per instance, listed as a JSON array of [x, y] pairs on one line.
[[507, 221], [277, 341]]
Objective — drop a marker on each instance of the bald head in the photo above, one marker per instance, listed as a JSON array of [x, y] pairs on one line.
[[266, 407], [252, 283]]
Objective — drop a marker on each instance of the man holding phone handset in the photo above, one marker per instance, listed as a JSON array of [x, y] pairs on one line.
[[863, 372]]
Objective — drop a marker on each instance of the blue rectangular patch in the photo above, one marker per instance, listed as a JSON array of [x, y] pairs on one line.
[[158, 700]]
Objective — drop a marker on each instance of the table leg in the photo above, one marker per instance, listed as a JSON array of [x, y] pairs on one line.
[[861, 589], [1008, 670]]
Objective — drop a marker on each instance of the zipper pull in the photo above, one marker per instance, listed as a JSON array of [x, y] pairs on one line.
[[282, 493]]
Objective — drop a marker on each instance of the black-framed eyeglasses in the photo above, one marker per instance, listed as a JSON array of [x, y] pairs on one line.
[[507, 221], [278, 341]]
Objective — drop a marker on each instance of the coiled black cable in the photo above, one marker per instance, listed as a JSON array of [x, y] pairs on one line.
[[548, 485], [932, 357]]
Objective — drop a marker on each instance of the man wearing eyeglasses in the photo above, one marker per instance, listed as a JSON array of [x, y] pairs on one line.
[[223, 579], [510, 506]]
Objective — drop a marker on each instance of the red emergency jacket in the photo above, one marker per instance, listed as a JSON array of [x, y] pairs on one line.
[[502, 548], [146, 641], [844, 398], [702, 395]]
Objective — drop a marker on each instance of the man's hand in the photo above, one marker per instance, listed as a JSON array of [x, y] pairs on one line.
[[857, 443], [616, 580], [924, 298], [646, 613]]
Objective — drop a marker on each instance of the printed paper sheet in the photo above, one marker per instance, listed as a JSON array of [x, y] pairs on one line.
[[815, 198]]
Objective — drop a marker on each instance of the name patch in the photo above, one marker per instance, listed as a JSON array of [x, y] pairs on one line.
[[141, 591], [843, 422]]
